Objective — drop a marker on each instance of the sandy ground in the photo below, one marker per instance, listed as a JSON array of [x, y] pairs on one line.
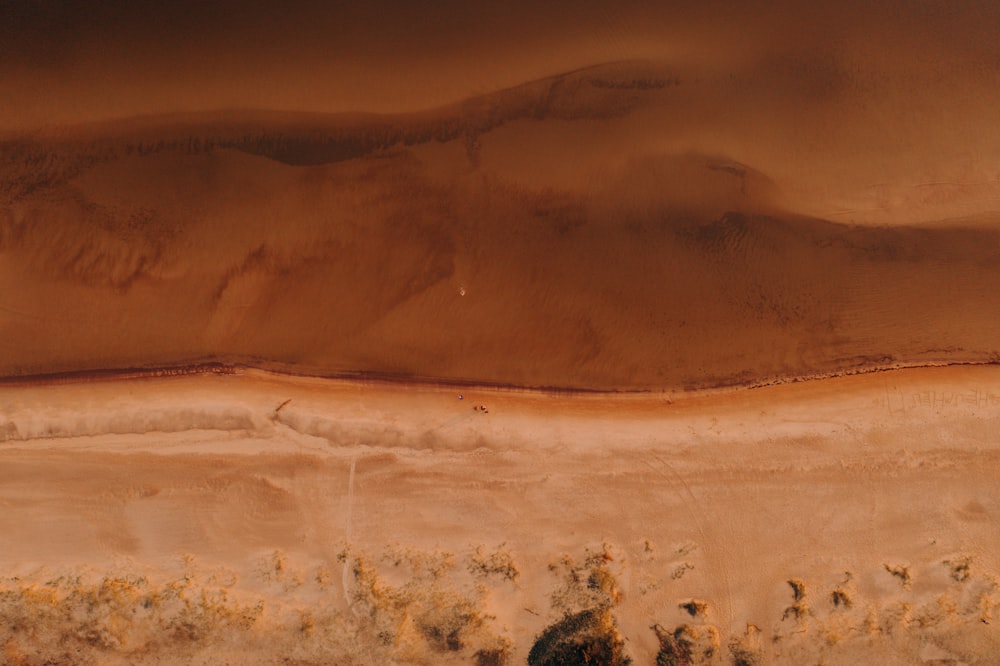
[[604, 228], [650, 232], [251, 518]]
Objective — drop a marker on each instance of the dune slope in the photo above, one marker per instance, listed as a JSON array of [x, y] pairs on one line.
[[527, 237]]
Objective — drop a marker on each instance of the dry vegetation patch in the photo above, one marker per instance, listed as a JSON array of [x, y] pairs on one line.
[[587, 637]]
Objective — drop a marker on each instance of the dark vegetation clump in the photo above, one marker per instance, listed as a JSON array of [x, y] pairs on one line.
[[694, 608], [744, 656], [443, 639], [496, 657], [798, 589], [674, 650], [841, 599], [799, 610], [686, 645], [498, 563], [901, 572], [580, 639], [959, 570], [745, 650]]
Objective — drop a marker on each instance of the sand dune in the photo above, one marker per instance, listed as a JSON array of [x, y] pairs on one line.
[[481, 242], [511, 370]]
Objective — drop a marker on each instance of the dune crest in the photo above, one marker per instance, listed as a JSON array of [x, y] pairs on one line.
[[428, 246]]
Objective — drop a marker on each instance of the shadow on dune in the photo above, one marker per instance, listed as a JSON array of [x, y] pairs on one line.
[[422, 246]]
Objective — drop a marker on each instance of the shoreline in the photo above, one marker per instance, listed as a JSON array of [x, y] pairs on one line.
[[368, 378]]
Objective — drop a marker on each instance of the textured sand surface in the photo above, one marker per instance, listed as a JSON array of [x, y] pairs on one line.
[[717, 285], [558, 233], [254, 517]]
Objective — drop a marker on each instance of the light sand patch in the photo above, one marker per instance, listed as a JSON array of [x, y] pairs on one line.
[[845, 519]]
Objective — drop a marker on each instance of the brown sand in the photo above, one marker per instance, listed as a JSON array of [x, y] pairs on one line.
[[776, 195], [250, 516], [491, 241]]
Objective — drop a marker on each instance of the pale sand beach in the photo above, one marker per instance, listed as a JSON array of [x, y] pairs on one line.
[[251, 517]]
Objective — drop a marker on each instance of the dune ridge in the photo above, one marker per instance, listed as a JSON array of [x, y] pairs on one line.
[[481, 243], [367, 378]]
